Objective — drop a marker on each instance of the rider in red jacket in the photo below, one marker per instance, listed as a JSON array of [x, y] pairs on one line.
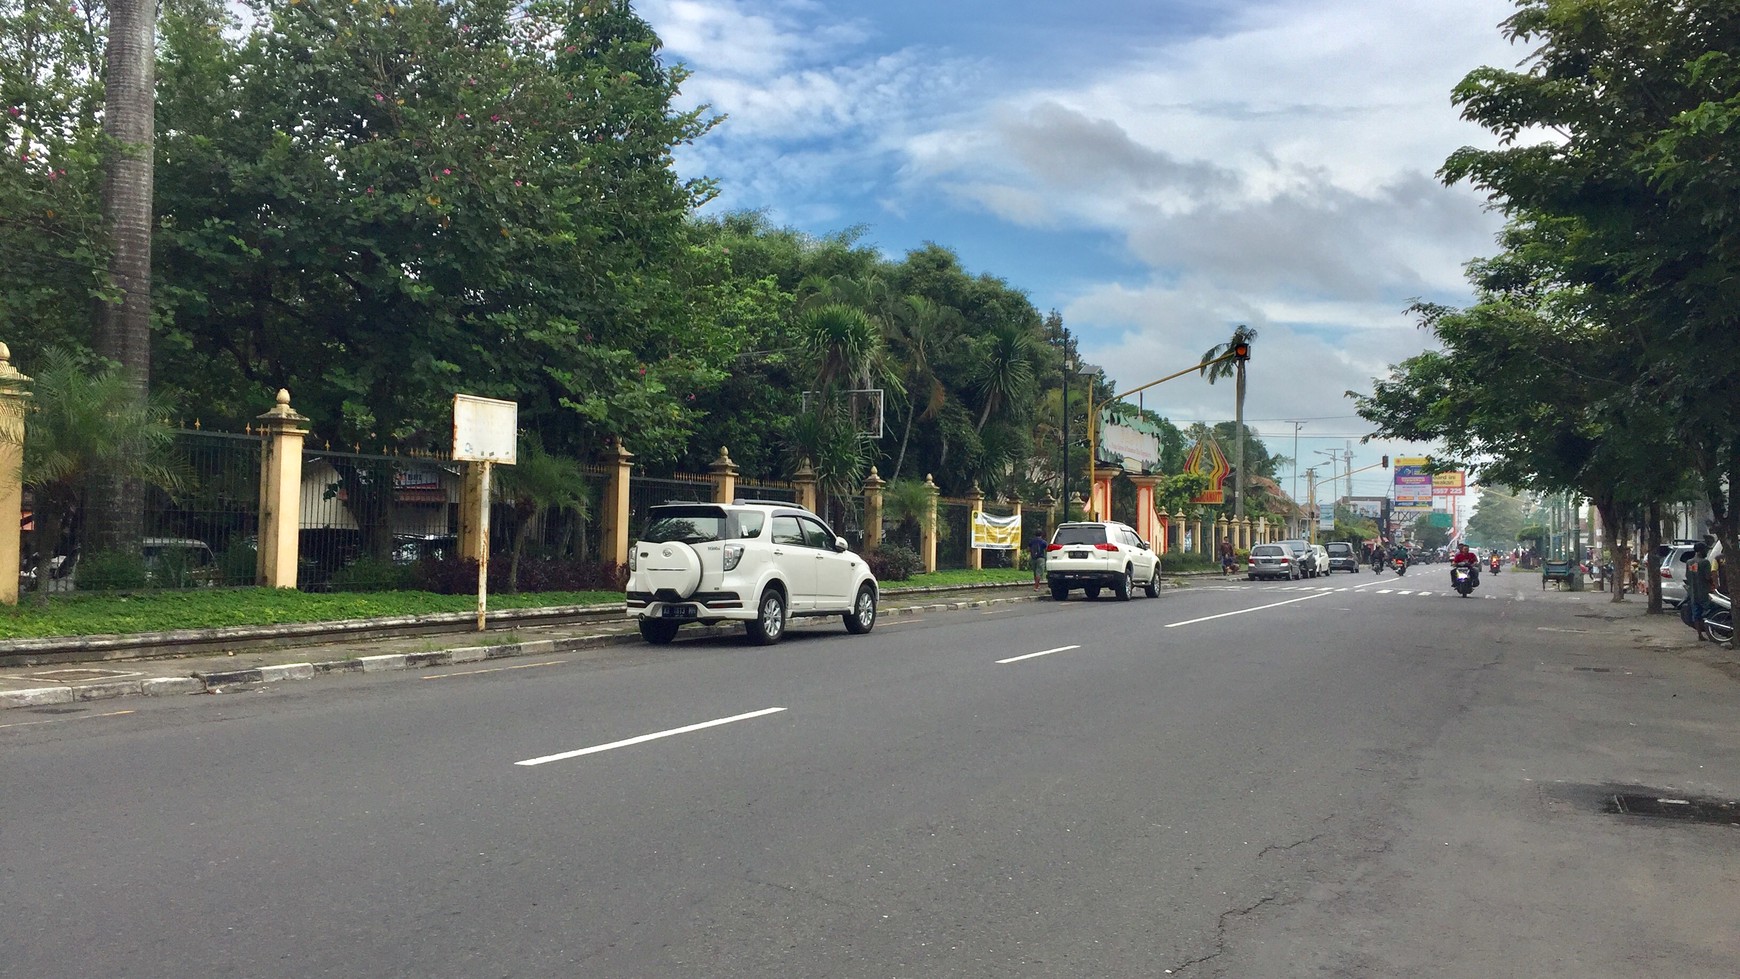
[[1464, 556]]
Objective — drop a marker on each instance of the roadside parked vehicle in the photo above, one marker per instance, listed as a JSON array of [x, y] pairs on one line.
[[1342, 556], [1320, 560], [179, 562], [756, 562], [1271, 561], [1671, 568], [1304, 558], [1092, 555]]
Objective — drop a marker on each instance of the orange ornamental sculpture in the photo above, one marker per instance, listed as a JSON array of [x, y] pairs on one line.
[[1210, 461]]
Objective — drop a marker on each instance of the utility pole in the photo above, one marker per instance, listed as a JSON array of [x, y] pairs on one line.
[[1296, 426]]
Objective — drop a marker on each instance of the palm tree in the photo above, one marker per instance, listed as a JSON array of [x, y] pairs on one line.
[[537, 483], [84, 419], [1004, 372], [922, 328], [1241, 334], [123, 328]]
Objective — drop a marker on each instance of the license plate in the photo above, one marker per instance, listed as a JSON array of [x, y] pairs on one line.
[[677, 612], [1078, 555]]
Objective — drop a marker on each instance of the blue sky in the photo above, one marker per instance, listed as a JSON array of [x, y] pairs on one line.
[[1155, 171]]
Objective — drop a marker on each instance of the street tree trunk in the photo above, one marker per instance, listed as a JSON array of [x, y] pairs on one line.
[[123, 326]]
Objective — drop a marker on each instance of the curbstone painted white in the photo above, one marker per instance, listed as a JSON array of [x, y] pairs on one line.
[[381, 664], [470, 654], [41, 696], [287, 671], [165, 686]]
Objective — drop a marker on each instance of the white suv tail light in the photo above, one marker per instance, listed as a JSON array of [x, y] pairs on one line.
[[632, 554], [733, 554]]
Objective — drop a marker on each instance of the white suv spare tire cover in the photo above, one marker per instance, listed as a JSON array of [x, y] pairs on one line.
[[672, 565]]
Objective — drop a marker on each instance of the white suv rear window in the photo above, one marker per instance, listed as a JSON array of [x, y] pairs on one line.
[[1080, 535]]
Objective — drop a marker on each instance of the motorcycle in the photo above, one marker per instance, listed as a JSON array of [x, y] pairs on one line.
[[1719, 621], [1462, 577], [1493, 564], [1401, 565]]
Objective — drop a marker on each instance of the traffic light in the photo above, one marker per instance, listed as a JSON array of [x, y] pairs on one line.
[[1386, 462], [1241, 351]]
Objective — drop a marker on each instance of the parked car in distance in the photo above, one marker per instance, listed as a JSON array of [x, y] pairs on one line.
[[1320, 558], [1671, 568], [1303, 557], [1092, 555], [1271, 561], [752, 561], [179, 562], [1342, 556]]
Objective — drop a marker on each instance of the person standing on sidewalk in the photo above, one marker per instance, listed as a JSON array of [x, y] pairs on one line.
[[1228, 558], [1698, 588], [1036, 557]]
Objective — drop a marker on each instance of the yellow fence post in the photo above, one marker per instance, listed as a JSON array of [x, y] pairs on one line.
[[805, 478], [614, 525], [14, 399], [976, 501], [872, 510], [927, 542], [281, 435], [725, 478]]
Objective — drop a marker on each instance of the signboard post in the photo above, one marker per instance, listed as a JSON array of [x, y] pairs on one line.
[[486, 432]]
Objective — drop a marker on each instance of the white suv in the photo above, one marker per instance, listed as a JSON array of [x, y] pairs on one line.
[[1100, 554], [756, 562]]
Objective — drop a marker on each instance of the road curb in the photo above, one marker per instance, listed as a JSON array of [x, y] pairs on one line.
[[253, 678]]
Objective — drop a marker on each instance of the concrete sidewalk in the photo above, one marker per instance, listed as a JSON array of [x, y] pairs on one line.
[[103, 678]]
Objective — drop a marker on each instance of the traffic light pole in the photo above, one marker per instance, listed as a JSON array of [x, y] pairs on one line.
[[1093, 420]]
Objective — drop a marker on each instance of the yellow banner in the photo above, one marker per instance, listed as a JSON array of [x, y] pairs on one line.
[[994, 533]]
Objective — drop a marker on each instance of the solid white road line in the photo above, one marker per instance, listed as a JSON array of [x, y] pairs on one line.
[[1043, 652], [647, 737], [57, 720], [1242, 611]]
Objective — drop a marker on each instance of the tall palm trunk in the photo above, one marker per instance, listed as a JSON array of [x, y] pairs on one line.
[[123, 328]]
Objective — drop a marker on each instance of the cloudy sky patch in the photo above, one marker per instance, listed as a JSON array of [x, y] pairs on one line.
[[1156, 170]]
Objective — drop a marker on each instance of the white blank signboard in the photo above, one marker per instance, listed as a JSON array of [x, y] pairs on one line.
[[484, 429]]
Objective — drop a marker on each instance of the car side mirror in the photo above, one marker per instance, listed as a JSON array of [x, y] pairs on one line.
[[1144, 545], [839, 544]]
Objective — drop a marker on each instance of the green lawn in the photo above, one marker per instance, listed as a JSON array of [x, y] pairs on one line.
[[206, 608]]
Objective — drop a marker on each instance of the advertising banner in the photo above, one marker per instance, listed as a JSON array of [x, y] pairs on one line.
[[1326, 516], [1449, 484], [1133, 442], [1369, 507], [994, 533], [1413, 484]]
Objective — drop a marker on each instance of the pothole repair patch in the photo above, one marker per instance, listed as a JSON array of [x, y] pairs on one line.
[[1688, 810]]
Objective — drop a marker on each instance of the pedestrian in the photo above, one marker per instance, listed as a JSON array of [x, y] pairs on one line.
[[1036, 557], [1698, 589], [1228, 558]]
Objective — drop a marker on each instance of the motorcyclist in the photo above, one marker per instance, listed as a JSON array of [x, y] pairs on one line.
[[1400, 553], [1465, 558], [1494, 562]]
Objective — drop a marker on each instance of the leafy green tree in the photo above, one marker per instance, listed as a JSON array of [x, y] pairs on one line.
[[1631, 101], [377, 204], [1498, 516]]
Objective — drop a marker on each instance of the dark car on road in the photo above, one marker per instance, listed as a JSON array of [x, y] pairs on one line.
[[1342, 556]]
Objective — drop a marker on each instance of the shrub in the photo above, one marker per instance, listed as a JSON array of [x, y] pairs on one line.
[[455, 576], [238, 565], [893, 561], [372, 574], [111, 571]]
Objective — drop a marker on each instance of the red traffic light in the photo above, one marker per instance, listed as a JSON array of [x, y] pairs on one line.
[[1241, 351]]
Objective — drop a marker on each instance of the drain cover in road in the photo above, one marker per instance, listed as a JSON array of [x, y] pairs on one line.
[[79, 676], [1686, 810]]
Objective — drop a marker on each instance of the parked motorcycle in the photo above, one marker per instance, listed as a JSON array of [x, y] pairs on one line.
[[1719, 621], [1462, 577]]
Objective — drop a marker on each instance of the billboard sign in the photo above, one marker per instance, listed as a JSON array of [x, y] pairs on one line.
[[1133, 442], [1449, 484], [1326, 516]]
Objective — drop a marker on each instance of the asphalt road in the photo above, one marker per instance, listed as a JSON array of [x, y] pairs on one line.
[[1341, 777]]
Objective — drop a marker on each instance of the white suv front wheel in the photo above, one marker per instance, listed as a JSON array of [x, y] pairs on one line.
[[769, 623], [862, 618]]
